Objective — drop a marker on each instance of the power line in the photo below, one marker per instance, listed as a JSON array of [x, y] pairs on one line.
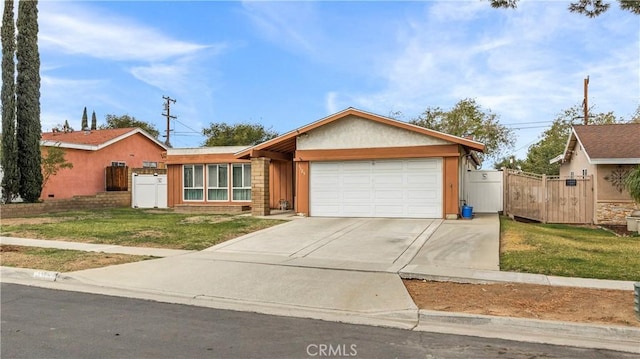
[[189, 128]]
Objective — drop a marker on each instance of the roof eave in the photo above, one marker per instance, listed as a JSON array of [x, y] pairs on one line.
[[471, 144], [614, 161]]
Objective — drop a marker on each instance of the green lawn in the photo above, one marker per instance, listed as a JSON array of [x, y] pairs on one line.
[[569, 251], [135, 227]]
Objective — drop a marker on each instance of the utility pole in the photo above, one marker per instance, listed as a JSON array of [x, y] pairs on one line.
[[167, 114], [585, 103]]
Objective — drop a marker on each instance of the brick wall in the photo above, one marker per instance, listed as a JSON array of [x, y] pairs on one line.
[[211, 209], [100, 200]]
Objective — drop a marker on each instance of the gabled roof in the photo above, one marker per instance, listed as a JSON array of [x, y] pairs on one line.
[[287, 142], [605, 144], [93, 140]]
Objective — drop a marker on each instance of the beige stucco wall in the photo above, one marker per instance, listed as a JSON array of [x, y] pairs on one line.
[[613, 202], [355, 132], [577, 163], [609, 189]]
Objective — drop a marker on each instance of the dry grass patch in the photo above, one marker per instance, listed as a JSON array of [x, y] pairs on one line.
[[60, 260]]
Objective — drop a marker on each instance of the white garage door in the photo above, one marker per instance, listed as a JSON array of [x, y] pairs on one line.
[[385, 188]]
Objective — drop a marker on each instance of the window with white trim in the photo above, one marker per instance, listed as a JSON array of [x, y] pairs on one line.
[[218, 182], [193, 182], [149, 164], [118, 164], [241, 174]]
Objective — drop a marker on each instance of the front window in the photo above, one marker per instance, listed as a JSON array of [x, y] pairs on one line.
[[241, 173], [193, 182], [218, 182]]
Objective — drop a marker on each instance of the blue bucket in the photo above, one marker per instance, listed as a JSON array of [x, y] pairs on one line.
[[467, 211]]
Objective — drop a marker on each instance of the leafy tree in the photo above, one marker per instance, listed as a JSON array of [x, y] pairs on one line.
[[632, 183], [11, 176], [94, 122], [28, 128], [241, 134], [467, 118], [509, 162], [590, 8], [126, 121], [85, 120], [554, 139], [52, 162]]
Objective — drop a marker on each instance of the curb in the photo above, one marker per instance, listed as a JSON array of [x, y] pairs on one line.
[[583, 335]]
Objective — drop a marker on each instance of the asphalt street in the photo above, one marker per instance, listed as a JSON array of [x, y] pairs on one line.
[[39, 323]]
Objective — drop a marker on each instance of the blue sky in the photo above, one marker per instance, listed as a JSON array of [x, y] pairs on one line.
[[286, 64]]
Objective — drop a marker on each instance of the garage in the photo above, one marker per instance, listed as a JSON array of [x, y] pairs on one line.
[[404, 188]]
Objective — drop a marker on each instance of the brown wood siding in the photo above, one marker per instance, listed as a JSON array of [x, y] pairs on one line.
[[174, 185], [280, 183], [302, 188], [451, 186], [377, 153]]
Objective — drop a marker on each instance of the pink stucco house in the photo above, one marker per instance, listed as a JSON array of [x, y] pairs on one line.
[[91, 152]]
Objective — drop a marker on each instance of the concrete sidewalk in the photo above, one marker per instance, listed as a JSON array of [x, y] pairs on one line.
[[90, 247]]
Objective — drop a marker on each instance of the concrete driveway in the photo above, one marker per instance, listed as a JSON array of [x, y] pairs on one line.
[[328, 268], [374, 244]]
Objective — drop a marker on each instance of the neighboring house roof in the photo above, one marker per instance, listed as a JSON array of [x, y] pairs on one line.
[[93, 140], [605, 144], [287, 142]]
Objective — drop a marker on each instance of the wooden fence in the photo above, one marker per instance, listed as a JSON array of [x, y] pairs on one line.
[[548, 199], [117, 178]]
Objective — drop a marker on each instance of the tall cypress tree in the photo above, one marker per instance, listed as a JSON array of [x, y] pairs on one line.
[[85, 120], [11, 177], [94, 121], [28, 129]]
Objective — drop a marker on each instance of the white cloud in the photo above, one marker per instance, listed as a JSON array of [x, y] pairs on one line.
[[292, 25], [94, 32]]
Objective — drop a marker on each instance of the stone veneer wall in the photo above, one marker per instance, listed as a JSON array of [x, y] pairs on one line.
[[614, 213], [100, 200]]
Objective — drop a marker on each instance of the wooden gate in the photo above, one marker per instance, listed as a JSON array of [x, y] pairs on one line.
[[117, 178], [549, 199]]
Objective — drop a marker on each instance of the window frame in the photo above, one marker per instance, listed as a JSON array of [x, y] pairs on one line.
[[244, 180], [194, 187], [217, 178]]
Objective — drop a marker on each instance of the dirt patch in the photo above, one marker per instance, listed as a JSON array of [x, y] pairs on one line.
[[585, 305], [60, 260]]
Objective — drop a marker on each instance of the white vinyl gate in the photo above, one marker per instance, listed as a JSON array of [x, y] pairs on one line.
[[149, 191], [484, 191]]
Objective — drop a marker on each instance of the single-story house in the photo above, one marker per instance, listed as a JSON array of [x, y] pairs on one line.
[[608, 153], [91, 152], [349, 164]]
